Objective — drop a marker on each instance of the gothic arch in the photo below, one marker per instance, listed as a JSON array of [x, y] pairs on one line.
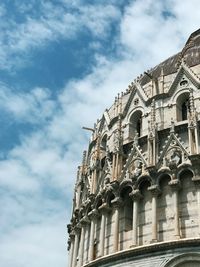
[[182, 105], [143, 178], [184, 260], [135, 122]]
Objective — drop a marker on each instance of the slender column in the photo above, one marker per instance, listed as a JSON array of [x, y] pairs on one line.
[[196, 180], [103, 208], [175, 185], [81, 250], [84, 222], [155, 191], [71, 250], [93, 215], [92, 179], [136, 196], [113, 167], [78, 195], [197, 184], [116, 205], [195, 159], [75, 250], [116, 166]]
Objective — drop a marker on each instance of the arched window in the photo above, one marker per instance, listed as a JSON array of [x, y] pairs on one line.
[[182, 105], [135, 124]]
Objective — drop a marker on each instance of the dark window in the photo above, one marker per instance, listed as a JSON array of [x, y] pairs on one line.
[[184, 111]]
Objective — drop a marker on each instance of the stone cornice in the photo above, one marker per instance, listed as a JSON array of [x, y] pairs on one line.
[[142, 251]]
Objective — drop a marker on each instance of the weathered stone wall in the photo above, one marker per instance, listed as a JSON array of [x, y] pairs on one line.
[[138, 188]]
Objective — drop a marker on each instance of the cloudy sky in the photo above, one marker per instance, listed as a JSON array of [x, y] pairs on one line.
[[62, 62]]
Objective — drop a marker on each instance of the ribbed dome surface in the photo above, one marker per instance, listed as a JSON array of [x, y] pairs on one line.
[[190, 53]]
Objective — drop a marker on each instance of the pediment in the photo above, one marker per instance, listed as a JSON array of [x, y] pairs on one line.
[[174, 151], [135, 161], [105, 175], [105, 121], [137, 98], [183, 75]]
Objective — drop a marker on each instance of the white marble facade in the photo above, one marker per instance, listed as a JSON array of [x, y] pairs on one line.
[[139, 182]]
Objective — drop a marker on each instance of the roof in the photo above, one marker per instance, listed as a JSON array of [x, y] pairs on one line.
[[190, 53]]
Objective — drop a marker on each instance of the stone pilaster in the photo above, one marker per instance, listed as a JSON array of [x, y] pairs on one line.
[[116, 206], [72, 237], [136, 196], [76, 245], [83, 222], [93, 216], [155, 192], [175, 187], [195, 159], [103, 209]]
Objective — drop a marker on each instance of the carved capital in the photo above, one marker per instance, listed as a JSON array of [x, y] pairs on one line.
[[135, 195], [196, 180], [154, 189], [104, 208], [175, 184], [85, 220], [117, 202], [94, 214]]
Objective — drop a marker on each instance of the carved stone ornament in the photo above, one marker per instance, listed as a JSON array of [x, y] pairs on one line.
[[136, 168], [173, 157]]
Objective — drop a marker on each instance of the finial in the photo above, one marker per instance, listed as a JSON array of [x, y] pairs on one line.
[[172, 130]]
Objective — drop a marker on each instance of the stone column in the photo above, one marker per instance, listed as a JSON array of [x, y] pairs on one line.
[[176, 186], [83, 222], [93, 215], [113, 167], [72, 235], [116, 205], [104, 209], [76, 244], [136, 196], [195, 159], [197, 185], [155, 191]]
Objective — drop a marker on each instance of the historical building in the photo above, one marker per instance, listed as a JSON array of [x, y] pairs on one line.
[[137, 194]]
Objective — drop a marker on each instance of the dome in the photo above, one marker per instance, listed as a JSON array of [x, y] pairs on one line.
[[137, 194]]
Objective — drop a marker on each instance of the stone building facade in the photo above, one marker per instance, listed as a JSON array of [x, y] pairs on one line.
[[137, 194]]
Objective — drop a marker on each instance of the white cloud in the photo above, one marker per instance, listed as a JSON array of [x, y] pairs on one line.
[[35, 106], [52, 23], [46, 159], [38, 245]]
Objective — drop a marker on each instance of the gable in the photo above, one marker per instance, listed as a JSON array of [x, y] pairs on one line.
[[184, 75]]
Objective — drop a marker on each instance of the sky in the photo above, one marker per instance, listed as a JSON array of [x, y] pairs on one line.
[[62, 62]]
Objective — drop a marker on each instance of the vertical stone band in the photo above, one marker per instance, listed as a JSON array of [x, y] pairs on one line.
[[75, 250], [116, 205], [154, 191], [176, 186], [136, 196], [93, 215]]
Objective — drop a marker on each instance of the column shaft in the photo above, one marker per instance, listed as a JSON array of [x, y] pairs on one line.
[[154, 218], [102, 234], [91, 244], [75, 251], [198, 204], [116, 230], [135, 222], [71, 253], [81, 250], [116, 166], [176, 215], [113, 167]]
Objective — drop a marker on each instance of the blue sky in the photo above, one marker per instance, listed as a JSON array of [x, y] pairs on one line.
[[62, 63]]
